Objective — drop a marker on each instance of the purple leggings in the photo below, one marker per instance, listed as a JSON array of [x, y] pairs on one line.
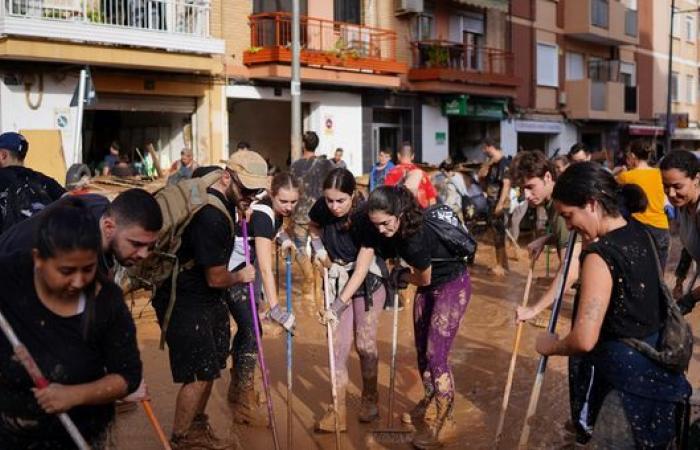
[[364, 324], [437, 314]]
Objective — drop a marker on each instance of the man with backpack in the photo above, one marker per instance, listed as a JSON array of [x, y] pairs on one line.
[[195, 320], [23, 191]]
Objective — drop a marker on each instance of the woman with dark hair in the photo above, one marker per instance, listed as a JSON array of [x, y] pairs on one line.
[[680, 172], [444, 290], [265, 220], [619, 298], [76, 326], [337, 219]]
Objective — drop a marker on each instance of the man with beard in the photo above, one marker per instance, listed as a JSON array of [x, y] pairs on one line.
[[128, 226], [198, 333]]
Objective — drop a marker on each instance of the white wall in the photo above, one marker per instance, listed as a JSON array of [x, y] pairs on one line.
[[509, 137], [16, 114], [434, 122], [564, 140], [343, 110]]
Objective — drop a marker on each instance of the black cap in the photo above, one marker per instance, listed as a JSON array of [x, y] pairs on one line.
[[14, 142]]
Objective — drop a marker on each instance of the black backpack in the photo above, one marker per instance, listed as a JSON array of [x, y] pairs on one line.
[[24, 197], [451, 232]]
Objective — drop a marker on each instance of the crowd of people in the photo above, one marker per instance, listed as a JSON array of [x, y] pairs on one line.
[[60, 254]]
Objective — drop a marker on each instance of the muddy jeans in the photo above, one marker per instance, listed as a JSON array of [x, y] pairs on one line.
[[437, 313], [364, 325], [244, 350]]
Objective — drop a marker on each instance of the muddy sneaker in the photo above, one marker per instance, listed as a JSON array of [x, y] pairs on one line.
[[441, 431], [327, 422], [424, 411], [245, 409], [201, 437]]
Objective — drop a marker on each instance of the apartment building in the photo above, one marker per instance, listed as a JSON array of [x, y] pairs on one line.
[[153, 66], [653, 58], [580, 61], [436, 73]]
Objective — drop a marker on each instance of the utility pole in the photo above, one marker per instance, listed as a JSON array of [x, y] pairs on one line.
[[295, 87], [670, 80]]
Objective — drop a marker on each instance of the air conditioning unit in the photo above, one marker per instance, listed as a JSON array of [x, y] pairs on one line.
[[408, 7], [562, 99]]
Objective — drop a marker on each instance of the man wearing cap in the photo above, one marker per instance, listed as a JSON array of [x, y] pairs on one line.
[[23, 191], [198, 333]]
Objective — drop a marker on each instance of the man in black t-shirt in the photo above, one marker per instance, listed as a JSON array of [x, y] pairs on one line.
[[495, 181], [198, 330], [23, 191], [129, 227]]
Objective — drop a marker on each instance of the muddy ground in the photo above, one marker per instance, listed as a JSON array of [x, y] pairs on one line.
[[480, 359]]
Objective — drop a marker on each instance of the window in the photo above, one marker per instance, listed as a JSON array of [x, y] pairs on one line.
[[600, 13], [423, 27], [628, 74], [675, 88], [347, 11], [547, 65], [689, 28], [263, 6], [574, 66], [676, 24], [690, 89]]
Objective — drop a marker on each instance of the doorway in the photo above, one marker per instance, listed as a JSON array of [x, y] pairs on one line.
[[385, 136]]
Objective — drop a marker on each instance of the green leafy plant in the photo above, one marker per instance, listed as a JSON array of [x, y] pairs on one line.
[[438, 56], [254, 49], [94, 15]]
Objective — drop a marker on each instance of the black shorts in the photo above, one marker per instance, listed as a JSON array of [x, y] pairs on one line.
[[198, 340]]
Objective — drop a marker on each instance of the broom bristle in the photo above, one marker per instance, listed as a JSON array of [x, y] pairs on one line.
[[389, 436]]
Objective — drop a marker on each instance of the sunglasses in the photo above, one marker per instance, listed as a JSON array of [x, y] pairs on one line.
[[244, 191]]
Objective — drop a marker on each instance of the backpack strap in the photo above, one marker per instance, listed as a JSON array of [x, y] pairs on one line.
[[216, 202], [267, 210]]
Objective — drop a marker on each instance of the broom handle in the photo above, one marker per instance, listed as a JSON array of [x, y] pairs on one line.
[[25, 358], [290, 309], [513, 358], [155, 424], [542, 366], [331, 361], [394, 345]]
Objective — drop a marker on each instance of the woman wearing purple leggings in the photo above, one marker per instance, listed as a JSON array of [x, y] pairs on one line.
[[443, 294], [335, 221]]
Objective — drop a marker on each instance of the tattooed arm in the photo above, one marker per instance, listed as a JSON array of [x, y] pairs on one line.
[[596, 287]]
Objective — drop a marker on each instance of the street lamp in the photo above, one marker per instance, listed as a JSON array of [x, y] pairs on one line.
[[670, 71]]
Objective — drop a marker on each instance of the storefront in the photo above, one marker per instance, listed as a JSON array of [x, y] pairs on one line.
[[471, 120]]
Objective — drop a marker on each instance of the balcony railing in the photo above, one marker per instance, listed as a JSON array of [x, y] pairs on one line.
[[186, 17], [604, 70], [437, 54], [324, 43]]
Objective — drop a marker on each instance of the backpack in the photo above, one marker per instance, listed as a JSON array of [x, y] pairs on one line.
[[675, 346], [178, 204], [451, 232], [25, 197]]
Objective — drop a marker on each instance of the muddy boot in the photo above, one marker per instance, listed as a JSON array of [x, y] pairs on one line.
[[370, 397], [200, 436], [442, 430], [327, 422], [246, 409], [424, 411]]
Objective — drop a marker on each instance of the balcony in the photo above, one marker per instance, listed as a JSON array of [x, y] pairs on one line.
[[588, 99], [450, 67], [173, 25], [352, 51], [606, 22]]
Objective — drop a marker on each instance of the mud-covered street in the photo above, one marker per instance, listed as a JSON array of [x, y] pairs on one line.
[[480, 359]]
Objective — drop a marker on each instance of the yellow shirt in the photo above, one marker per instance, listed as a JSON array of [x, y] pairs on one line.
[[649, 179]]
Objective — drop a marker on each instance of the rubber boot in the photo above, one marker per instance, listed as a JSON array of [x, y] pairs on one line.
[[327, 423], [369, 411], [442, 430], [200, 436], [424, 411]]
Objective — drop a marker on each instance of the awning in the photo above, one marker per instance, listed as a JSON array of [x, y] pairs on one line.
[[500, 5], [686, 134], [646, 130]]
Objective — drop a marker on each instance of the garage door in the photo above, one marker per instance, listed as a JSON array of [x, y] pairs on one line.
[[154, 103]]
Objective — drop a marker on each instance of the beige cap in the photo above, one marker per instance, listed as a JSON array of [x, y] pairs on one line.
[[250, 167]]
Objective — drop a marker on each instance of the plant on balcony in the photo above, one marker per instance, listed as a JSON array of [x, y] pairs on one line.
[[94, 15], [253, 50], [438, 56], [342, 50]]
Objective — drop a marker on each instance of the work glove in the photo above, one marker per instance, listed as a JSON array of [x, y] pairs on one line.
[[399, 277], [321, 258], [286, 244], [332, 315], [283, 318], [686, 303]]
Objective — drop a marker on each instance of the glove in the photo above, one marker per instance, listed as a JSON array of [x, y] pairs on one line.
[[321, 259], [140, 394], [399, 277], [288, 246], [686, 303], [332, 314], [283, 318]]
